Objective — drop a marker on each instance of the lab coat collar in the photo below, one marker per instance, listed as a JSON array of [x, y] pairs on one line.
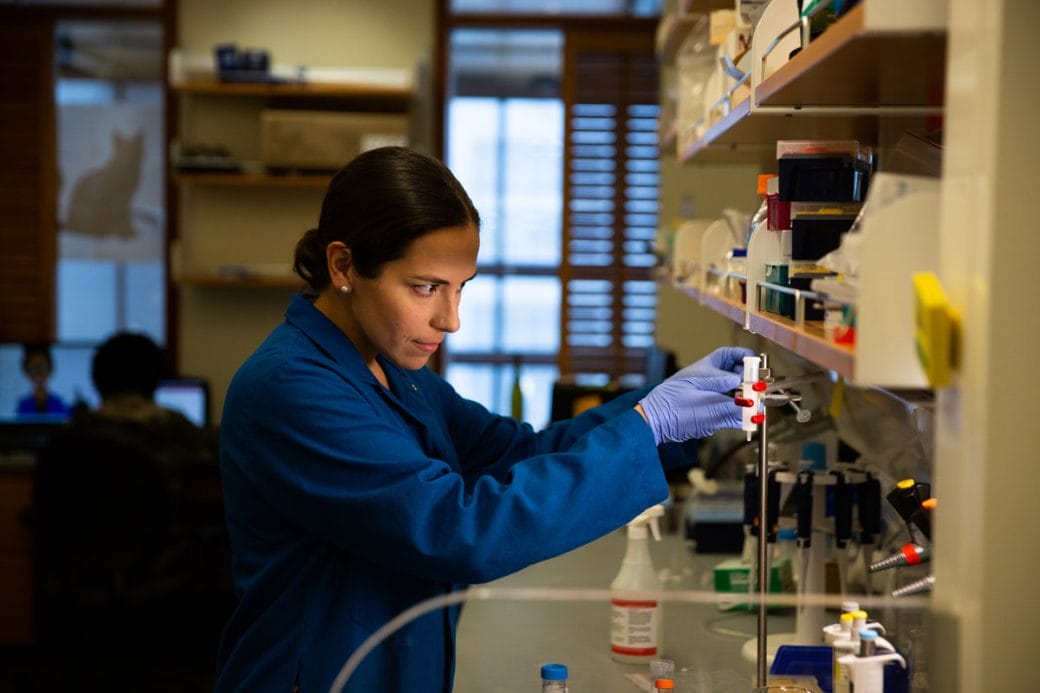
[[302, 315], [404, 392]]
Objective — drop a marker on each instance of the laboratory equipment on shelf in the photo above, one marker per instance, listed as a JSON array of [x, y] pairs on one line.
[[554, 678]]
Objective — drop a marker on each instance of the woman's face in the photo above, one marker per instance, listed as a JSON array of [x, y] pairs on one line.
[[404, 312]]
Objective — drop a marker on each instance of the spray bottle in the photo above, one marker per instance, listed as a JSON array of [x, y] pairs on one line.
[[635, 628]]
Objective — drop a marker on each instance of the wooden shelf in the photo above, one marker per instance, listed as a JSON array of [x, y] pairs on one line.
[[666, 137], [740, 136], [808, 342], [850, 64], [245, 281], [255, 180], [720, 304], [306, 90]]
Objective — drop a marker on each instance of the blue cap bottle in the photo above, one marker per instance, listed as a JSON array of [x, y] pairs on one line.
[[554, 678]]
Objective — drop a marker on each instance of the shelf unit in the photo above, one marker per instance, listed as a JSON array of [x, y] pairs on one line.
[[808, 341], [676, 25], [231, 226], [860, 79], [310, 90], [840, 86], [253, 180], [255, 281]]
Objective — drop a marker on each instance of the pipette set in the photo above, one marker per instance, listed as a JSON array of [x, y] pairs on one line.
[[854, 495]]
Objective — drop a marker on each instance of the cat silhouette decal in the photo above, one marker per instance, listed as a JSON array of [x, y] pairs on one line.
[[100, 201]]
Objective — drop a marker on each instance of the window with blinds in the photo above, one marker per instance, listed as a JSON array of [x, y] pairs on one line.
[[610, 205]]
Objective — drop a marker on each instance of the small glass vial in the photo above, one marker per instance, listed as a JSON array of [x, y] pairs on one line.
[[554, 678]]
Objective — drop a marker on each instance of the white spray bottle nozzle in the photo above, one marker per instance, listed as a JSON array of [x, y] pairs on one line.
[[701, 483], [648, 517]]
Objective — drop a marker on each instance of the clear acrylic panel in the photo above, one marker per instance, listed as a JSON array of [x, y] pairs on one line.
[[560, 610]]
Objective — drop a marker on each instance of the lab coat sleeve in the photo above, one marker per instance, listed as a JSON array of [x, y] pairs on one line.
[[357, 476], [490, 444]]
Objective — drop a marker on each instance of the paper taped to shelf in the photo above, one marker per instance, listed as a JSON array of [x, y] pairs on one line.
[[322, 140]]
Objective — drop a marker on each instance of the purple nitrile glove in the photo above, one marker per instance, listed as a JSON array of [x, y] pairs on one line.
[[694, 402]]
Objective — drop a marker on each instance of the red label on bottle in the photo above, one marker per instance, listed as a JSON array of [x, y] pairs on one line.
[[637, 651]]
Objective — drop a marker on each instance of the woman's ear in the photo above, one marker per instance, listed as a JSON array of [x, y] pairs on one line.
[[339, 259]]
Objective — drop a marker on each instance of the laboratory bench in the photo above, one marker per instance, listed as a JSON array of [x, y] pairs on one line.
[[502, 643]]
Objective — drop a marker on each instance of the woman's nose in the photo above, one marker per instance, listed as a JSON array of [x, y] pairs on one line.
[[447, 317]]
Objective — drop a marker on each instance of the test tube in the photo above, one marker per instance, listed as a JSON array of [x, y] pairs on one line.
[[662, 669]]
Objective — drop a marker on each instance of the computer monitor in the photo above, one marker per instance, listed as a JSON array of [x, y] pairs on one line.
[[189, 396]]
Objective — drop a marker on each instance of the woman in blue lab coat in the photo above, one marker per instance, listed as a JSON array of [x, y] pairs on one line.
[[358, 483]]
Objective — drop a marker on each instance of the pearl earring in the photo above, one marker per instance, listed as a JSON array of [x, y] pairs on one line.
[[344, 289]]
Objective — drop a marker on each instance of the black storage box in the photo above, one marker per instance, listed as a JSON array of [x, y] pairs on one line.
[[813, 236], [823, 178]]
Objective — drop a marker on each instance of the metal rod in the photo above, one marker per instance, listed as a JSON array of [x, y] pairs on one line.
[[763, 531]]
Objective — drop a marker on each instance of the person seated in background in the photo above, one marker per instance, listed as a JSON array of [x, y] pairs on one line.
[[37, 365], [126, 370], [128, 505]]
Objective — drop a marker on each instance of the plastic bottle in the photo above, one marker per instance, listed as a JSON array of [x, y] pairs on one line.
[[635, 630], [554, 678]]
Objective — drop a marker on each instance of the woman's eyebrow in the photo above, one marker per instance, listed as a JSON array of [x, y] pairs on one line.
[[431, 279]]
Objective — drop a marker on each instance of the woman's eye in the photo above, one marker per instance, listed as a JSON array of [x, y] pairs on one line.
[[426, 289]]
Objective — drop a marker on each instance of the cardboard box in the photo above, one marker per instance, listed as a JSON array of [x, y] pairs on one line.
[[324, 140], [731, 577]]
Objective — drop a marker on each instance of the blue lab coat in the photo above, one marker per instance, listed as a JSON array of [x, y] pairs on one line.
[[347, 503]]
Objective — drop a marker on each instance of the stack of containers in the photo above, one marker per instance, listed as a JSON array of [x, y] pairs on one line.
[[818, 193]]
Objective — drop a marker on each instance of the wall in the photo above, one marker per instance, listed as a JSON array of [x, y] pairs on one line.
[[317, 33], [219, 328], [682, 326], [986, 560]]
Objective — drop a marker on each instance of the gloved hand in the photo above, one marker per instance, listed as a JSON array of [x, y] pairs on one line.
[[693, 403]]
